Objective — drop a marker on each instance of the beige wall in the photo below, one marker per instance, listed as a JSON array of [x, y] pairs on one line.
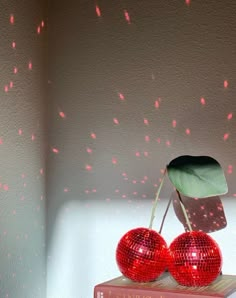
[[110, 139], [22, 150]]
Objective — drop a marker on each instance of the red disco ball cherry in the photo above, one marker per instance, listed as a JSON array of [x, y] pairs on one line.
[[194, 259], [141, 255]]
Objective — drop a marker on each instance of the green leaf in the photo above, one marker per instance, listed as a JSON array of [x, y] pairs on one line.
[[197, 176]]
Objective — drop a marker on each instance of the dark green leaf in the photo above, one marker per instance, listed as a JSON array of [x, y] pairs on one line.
[[197, 176]]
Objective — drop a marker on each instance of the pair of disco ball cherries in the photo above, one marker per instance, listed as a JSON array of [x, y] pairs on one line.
[[193, 258]]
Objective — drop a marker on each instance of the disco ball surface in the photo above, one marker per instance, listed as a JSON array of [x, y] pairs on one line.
[[141, 255], [194, 259]]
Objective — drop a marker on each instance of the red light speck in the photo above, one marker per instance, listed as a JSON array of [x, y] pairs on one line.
[[147, 139], [127, 17], [62, 115], [230, 169], [187, 131], [15, 70], [13, 44], [137, 154], [20, 132], [1, 141], [168, 143], [226, 136], [12, 20], [5, 187], [116, 121], [55, 150], [98, 11], [6, 88], [230, 116], [42, 24], [203, 101], [89, 150], [187, 2], [30, 65], [226, 84], [11, 84], [38, 29], [121, 96], [174, 123], [145, 121], [93, 135], [88, 167], [32, 137], [145, 153], [157, 104], [114, 160]]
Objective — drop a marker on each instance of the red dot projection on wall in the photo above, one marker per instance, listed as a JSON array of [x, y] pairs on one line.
[[149, 138]]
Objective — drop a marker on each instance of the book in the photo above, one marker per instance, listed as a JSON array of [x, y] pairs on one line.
[[165, 287]]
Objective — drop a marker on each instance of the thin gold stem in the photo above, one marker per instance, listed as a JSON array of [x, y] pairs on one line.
[[156, 200], [184, 212], [164, 217]]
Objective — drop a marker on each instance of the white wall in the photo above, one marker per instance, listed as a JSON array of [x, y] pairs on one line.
[[22, 150], [117, 86]]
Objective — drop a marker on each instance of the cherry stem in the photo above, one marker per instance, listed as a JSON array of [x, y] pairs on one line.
[[164, 217], [184, 211], [156, 200]]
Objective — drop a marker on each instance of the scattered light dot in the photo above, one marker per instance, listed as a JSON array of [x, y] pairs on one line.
[[226, 136], [20, 132], [121, 96], [42, 24], [5, 187], [88, 167], [98, 11], [145, 153], [137, 154], [6, 88], [13, 44], [127, 17], [157, 104], [62, 114], [30, 65], [114, 160], [174, 123], [230, 116], [187, 131], [226, 84], [168, 143], [145, 121], [32, 137], [147, 138], [93, 135], [12, 19], [55, 150], [11, 84], [15, 70], [187, 2], [203, 101], [89, 150], [116, 121], [38, 29]]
